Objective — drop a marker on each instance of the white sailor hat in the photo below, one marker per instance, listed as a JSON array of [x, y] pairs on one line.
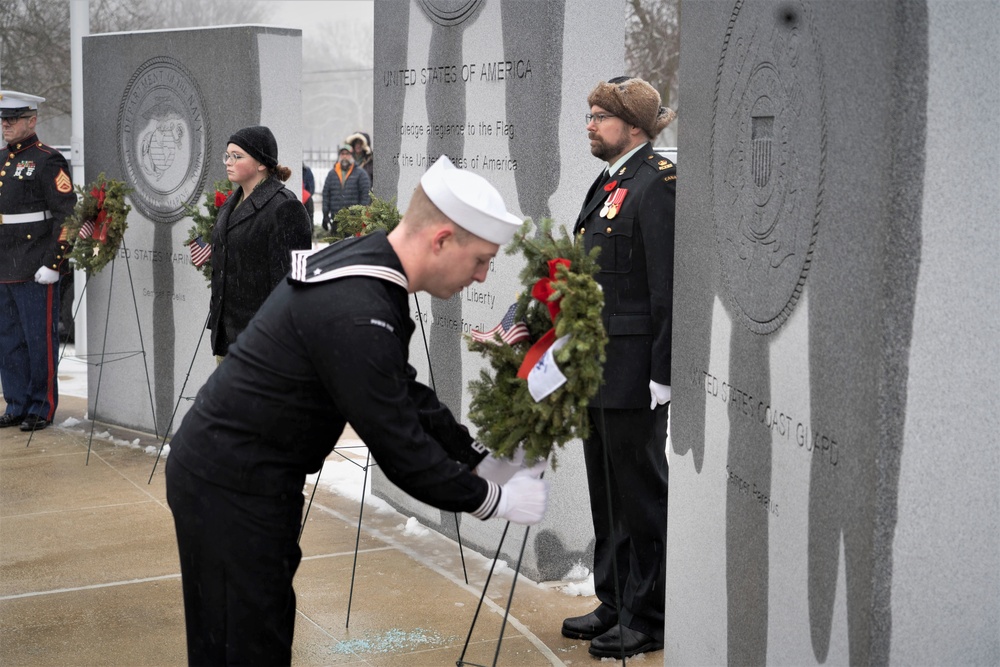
[[14, 104], [469, 201]]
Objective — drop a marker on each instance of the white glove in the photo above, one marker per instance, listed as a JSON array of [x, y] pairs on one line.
[[658, 394], [501, 470], [46, 276], [524, 497]]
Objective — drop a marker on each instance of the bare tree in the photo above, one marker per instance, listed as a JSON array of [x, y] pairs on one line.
[[35, 36], [337, 84], [652, 45]]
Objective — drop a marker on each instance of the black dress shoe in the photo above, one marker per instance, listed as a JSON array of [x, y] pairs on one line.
[[10, 420], [34, 423], [589, 625], [621, 641]]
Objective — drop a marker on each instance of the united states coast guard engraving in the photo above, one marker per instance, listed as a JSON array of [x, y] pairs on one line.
[[768, 154], [163, 136]]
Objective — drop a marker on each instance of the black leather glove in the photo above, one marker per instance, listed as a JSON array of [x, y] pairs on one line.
[[326, 221]]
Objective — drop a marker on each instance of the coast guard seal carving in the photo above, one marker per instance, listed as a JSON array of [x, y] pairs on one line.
[[163, 139], [768, 158]]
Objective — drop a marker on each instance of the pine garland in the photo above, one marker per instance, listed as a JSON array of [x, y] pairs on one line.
[[502, 408], [101, 213], [358, 219], [205, 222]]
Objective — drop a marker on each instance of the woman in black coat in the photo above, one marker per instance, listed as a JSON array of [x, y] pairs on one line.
[[254, 234]]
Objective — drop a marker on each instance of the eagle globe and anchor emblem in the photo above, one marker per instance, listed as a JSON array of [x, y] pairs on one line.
[[163, 139]]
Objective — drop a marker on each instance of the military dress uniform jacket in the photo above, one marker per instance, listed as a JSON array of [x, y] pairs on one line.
[[251, 252], [636, 275], [34, 179], [317, 356]]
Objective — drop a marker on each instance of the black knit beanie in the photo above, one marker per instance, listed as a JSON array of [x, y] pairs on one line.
[[259, 144]]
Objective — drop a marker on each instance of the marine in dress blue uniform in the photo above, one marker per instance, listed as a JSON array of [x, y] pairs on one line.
[[629, 214], [36, 195]]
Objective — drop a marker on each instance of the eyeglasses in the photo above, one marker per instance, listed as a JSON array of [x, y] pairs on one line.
[[598, 118], [235, 157]]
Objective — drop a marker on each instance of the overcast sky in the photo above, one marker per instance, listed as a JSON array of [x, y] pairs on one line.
[[316, 17]]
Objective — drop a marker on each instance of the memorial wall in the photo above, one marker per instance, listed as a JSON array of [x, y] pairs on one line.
[[500, 87], [159, 109], [835, 304]]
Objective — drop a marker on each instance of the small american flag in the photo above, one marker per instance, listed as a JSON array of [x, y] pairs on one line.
[[507, 330], [201, 252], [86, 230]]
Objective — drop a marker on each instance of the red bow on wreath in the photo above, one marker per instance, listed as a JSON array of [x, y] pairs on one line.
[[220, 198], [542, 290], [103, 220]]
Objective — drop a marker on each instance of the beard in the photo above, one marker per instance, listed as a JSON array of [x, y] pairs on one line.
[[606, 151], [344, 164]]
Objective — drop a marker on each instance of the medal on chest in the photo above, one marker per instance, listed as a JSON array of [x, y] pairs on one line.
[[613, 203], [24, 168]]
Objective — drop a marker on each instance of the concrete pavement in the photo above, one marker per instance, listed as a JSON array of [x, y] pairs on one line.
[[89, 570]]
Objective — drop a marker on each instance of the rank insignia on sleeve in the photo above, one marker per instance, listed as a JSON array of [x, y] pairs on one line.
[[63, 182]]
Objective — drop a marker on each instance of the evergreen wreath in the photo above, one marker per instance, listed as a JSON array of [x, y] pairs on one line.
[[97, 224], [502, 408], [205, 222], [358, 219]]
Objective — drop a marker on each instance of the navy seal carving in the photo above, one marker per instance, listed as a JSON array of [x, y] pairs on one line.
[[163, 139], [768, 159]]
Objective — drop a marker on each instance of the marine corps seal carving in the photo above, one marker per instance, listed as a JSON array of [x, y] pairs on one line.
[[163, 137]]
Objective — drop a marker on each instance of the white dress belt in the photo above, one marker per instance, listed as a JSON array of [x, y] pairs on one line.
[[19, 218]]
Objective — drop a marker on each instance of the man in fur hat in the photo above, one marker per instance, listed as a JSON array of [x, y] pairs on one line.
[[629, 213]]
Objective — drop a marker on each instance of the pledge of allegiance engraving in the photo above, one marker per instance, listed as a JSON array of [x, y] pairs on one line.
[[162, 139], [768, 153]]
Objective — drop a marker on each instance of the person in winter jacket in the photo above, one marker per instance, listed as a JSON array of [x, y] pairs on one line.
[[346, 184], [254, 234]]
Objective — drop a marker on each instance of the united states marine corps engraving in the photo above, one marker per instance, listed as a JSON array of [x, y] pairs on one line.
[[163, 135], [768, 153]]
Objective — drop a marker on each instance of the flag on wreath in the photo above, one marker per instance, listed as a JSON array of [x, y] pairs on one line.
[[509, 331], [86, 230], [201, 252]]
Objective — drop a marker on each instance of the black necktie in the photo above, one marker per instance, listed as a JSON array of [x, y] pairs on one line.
[[599, 190]]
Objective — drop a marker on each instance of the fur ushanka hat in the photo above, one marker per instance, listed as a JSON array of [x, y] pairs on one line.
[[634, 101]]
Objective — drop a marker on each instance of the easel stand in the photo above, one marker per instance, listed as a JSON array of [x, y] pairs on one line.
[[517, 571], [180, 396], [123, 355], [510, 598]]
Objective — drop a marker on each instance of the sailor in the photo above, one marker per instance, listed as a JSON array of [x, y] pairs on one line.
[[330, 347]]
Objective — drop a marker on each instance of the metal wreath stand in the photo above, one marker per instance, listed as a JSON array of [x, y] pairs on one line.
[[104, 346], [517, 570]]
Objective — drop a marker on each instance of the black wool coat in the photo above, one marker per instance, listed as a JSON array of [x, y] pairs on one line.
[[251, 253], [636, 275]]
